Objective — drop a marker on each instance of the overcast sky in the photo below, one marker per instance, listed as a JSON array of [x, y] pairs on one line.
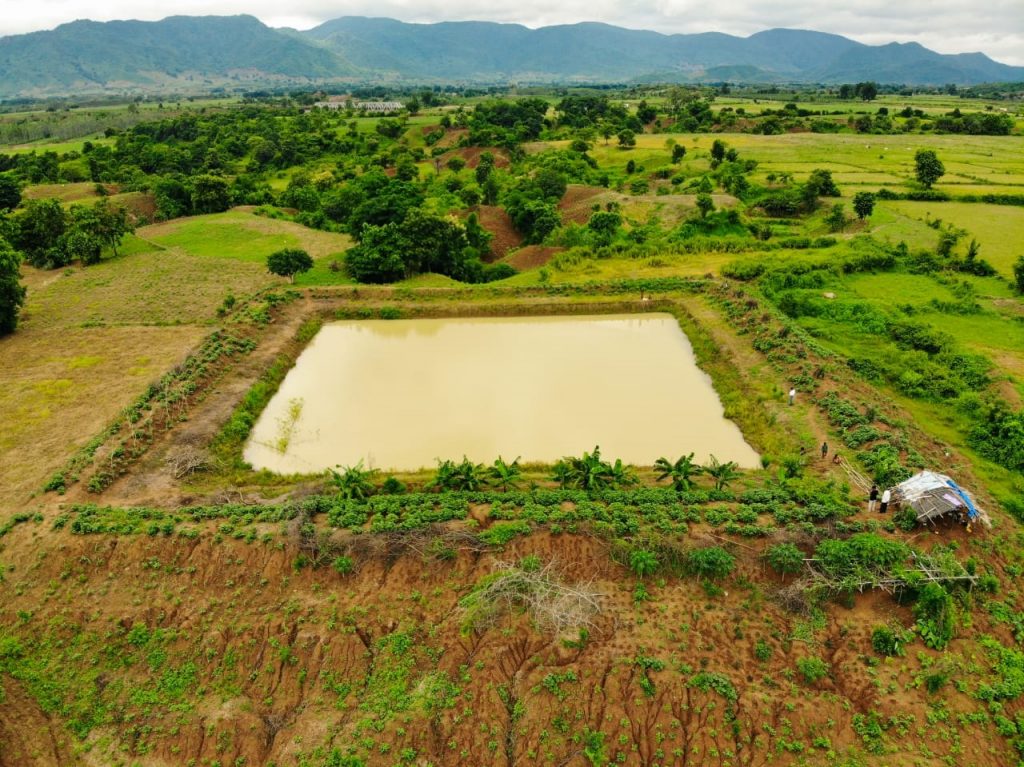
[[995, 27]]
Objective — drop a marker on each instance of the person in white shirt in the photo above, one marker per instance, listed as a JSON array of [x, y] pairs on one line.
[[792, 395], [886, 497]]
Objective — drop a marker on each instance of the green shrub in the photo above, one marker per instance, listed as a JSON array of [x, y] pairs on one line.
[[812, 669], [934, 614], [501, 533], [642, 562], [762, 651], [888, 641], [344, 565], [785, 558], [710, 562]]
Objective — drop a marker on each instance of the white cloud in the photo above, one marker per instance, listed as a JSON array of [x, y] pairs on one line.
[[995, 27]]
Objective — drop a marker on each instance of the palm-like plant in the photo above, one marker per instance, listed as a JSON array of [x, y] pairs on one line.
[[353, 482], [504, 475], [681, 472], [589, 472], [465, 475], [621, 475], [722, 473]]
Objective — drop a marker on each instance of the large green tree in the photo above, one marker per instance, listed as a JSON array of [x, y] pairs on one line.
[[10, 192], [38, 231], [12, 292], [421, 242], [928, 167], [289, 262], [209, 194], [863, 204]]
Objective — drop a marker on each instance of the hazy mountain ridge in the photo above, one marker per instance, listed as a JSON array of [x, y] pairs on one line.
[[87, 56]]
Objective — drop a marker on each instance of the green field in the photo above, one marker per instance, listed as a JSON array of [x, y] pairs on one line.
[[242, 236], [997, 228], [974, 164]]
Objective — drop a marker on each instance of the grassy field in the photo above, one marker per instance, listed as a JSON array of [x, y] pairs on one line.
[[240, 236], [999, 229], [91, 339], [64, 384], [974, 164]]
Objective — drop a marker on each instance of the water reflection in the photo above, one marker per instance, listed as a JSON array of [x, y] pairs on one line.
[[400, 393]]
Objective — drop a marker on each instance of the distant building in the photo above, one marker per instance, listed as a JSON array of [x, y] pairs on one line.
[[373, 107], [379, 106]]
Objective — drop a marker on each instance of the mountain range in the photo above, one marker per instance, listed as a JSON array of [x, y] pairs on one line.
[[198, 53]]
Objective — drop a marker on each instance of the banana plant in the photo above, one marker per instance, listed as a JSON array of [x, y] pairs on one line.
[[681, 472]]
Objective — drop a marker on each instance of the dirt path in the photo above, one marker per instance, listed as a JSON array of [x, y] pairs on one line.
[[803, 420]]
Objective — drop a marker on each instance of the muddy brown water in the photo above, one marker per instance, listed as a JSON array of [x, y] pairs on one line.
[[399, 394]]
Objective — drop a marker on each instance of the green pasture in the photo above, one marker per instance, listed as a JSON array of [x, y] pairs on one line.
[[54, 146], [222, 235], [999, 229], [974, 164], [238, 235], [929, 103]]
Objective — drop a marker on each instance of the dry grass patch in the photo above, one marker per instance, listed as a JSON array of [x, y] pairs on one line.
[[156, 288], [60, 386]]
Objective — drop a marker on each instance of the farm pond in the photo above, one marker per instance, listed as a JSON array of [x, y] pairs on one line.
[[400, 394]]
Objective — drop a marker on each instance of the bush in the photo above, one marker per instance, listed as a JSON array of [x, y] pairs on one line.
[[812, 669], [710, 562], [888, 642], [785, 558], [642, 562], [343, 565], [934, 614]]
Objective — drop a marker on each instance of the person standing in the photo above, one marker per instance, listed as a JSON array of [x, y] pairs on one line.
[[792, 395], [824, 450], [886, 496], [872, 498]]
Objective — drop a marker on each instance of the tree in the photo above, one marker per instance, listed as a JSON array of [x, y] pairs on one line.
[[705, 204], [627, 138], [490, 190], [484, 167], [643, 562], [353, 482], [680, 472], [39, 227], [836, 219], [605, 225], [208, 194], [645, 113], [10, 192], [1018, 274], [421, 242], [289, 262], [928, 167], [863, 204], [551, 183], [465, 475], [867, 91], [722, 473], [12, 292], [718, 151], [678, 152], [172, 199], [81, 244], [504, 475], [821, 180], [589, 472]]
